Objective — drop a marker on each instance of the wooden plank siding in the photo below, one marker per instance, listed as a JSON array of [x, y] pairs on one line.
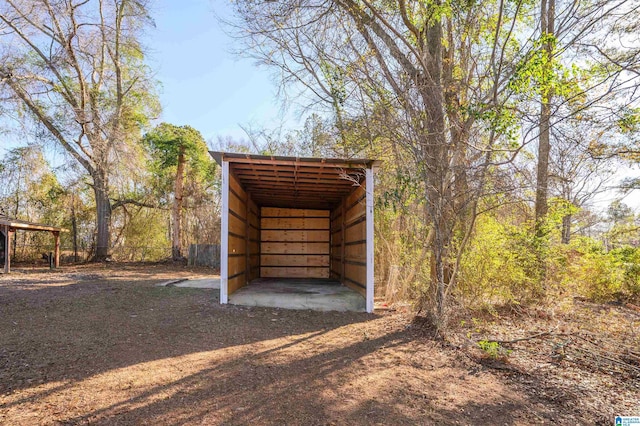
[[294, 243], [237, 242], [253, 239], [349, 241], [277, 212], [336, 243]]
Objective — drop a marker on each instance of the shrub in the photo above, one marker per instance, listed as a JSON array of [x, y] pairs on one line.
[[499, 266], [603, 276]]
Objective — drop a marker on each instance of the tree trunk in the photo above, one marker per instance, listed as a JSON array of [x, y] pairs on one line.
[[74, 228], [176, 249], [436, 169], [103, 217], [542, 179], [547, 14], [566, 229]]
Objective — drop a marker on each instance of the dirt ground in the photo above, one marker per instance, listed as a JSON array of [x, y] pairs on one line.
[[105, 345]]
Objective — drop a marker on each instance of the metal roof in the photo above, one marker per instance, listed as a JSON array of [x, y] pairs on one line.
[[29, 226], [296, 182]]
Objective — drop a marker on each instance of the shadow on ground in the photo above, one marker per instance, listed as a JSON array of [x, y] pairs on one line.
[[117, 349]]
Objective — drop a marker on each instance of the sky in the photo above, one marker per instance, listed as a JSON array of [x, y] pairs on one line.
[[204, 85]]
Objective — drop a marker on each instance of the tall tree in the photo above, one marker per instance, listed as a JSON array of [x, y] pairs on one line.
[[75, 70], [178, 151], [548, 42]]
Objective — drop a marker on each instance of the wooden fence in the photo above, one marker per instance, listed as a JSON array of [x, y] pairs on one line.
[[204, 255]]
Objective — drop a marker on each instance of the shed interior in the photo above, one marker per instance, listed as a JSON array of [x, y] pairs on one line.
[[296, 219]]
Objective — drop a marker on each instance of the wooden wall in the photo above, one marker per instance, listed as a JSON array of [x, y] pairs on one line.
[[349, 241], [294, 243], [253, 241], [244, 237]]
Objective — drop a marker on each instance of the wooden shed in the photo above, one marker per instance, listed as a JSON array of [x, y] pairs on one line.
[[294, 218]]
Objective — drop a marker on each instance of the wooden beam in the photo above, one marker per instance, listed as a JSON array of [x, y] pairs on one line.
[[56, 250], [299, 196], [30, 226], [289, 176], [341, 164], [289, 173], [336, 186]]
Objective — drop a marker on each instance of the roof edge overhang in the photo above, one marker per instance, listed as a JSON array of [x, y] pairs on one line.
[[350, 163], [30, 226]]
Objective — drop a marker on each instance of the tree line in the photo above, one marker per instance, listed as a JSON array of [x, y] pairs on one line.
[[497, 122]]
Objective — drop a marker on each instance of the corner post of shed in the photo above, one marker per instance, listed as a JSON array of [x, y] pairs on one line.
[[224, 235], [56, 250], [370, 249], [7, 249]]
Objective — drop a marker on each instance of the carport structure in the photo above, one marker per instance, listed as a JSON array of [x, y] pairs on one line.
[[293, 222], [9, 226]]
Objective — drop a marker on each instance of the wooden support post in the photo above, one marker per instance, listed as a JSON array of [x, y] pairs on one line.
[[343, 260], [56, 251], [224, 236], [5, 236], [7, 250], [247, 226], [259, 220], [369, 222]]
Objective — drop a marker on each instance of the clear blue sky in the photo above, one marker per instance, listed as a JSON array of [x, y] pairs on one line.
[[204, 85]]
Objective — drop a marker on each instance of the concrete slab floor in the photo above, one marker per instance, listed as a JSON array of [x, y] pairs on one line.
[[295, 293], [213, 283]]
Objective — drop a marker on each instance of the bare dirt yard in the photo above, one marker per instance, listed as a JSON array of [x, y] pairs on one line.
[[105, 345]]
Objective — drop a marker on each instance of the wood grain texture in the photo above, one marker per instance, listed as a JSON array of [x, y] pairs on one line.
[[236, 225], [235, 283], [294, 260], [294, 223], [278, 212], [236, 245], [295, 236], [294, 272], [294, 248], [356, 232]]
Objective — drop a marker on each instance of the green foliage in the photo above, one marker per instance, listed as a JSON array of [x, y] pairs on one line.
[[629, 120], [166, 141], [540, 73], [493, 349], [601, 275], [144, 237], [558, 209], [595, 274], [164, 144], [629, 258], [500, 265]]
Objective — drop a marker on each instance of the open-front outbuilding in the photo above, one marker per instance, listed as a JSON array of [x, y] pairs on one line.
[[9, 226], [289, 221]]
